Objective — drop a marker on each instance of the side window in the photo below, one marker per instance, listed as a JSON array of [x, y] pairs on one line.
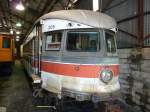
[[53, 41], [110, 42], [6, 42]]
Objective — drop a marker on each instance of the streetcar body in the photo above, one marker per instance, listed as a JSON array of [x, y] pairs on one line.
[[74, 54]]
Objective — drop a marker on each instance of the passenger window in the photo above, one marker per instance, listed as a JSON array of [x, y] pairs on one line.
[[110, 42], [53, 41], [6, 42], [82, 41]]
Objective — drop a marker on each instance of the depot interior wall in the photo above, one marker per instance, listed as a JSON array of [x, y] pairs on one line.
[[134, 62], [147, 23], [128, 29], [82, 4], [135, 76]]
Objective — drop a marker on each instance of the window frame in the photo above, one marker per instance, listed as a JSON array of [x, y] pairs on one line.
[[3, 38], [53, 32], [114, 37]]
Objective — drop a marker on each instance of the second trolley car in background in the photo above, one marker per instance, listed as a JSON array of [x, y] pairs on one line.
[[6, 53], [73, 53]]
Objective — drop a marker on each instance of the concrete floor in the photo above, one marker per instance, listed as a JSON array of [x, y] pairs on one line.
[[16, 95]]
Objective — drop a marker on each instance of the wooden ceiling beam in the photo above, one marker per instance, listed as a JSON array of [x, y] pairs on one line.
[[41, 13], [20, 17], [4, 20], [45, 7], [55, 2], [32, 11]]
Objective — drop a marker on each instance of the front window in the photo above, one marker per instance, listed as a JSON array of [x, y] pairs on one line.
[[83, 41], [110, 42], [6, 42], [53, 41]]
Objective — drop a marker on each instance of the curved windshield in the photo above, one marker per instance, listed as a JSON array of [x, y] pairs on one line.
[[83, 41]]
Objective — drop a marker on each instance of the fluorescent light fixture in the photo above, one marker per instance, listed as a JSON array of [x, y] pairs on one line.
[[75, 1], [11, 31], [18, 32], [20, 6], [17, 37], [18, 24], [17, 40], [95, 5]]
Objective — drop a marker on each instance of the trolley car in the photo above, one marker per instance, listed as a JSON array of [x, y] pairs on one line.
[[73, 53], [6, 53]]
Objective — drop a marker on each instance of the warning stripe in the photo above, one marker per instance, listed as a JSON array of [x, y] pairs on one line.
[[85, 71]]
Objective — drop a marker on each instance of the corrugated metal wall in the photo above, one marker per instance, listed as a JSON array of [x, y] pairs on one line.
[[84, 4], [147, 22], [126, 14], [120, 10]]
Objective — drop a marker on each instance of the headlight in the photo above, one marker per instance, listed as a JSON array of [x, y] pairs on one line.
[[106, 76]]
